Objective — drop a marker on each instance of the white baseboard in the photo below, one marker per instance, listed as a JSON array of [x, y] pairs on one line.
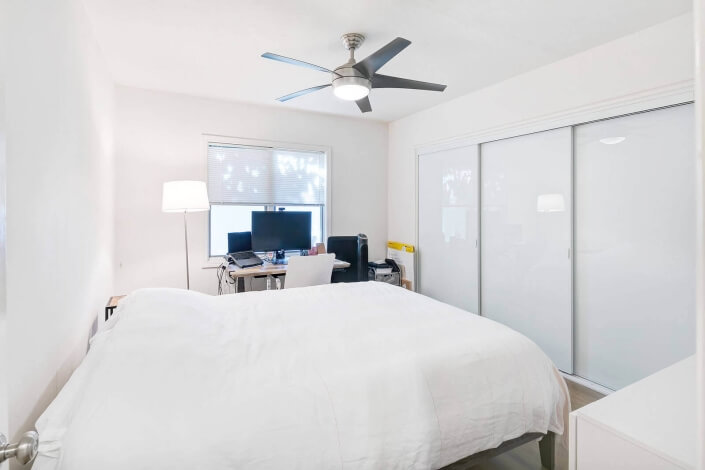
[[587, 383]]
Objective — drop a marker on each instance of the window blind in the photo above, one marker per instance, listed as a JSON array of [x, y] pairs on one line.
[[259, 175]]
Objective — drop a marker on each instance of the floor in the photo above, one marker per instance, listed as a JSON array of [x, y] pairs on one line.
[[527, 456]]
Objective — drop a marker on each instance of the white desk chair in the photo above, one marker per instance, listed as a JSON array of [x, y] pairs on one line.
[[305, 271]]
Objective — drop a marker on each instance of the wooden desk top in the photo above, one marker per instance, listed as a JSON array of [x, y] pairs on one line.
[[113, 301], [272, 269]]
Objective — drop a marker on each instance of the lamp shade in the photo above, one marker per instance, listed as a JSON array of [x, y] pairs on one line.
[[185, 196]]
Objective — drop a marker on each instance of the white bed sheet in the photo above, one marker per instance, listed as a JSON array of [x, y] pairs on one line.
[[350, 376]]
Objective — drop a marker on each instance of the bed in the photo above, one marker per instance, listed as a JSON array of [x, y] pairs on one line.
[[351, 376]]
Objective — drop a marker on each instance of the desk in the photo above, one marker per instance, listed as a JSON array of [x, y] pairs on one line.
[[269, 270]]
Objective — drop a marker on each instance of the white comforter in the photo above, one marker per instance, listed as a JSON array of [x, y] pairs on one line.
[[351, 376]]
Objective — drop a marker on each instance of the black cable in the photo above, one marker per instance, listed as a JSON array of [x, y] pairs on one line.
[[220, 274]]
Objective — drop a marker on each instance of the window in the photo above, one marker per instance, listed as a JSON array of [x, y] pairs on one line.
[[225, 219], [243, 179]]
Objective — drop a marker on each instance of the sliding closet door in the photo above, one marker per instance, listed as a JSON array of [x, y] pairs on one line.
[[526, 238], [635, 245], [447, 225]]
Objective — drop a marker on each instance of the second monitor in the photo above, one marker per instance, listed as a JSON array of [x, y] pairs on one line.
[[281, 230]]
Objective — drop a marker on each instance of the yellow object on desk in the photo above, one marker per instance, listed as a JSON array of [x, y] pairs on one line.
[[269, 269], [405, 256]]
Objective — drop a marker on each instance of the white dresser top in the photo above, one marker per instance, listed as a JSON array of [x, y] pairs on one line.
[[657, 412]]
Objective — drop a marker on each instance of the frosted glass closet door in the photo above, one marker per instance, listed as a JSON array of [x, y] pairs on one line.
[[448, 201], [635, 245], [526, 238]]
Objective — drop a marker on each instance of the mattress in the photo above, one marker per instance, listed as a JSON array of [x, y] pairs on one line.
[[350, 376]]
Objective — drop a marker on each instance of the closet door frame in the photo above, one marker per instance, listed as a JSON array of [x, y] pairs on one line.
[[600, 111]]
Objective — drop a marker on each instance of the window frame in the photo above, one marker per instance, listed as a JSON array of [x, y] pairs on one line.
[[208, 139]]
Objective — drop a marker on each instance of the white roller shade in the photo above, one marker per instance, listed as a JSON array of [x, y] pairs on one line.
[[259, 175]]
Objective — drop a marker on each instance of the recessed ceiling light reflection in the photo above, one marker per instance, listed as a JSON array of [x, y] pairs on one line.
[[613, 140], [550, 203]]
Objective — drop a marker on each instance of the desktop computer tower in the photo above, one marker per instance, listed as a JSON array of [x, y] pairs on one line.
[[352, 249]]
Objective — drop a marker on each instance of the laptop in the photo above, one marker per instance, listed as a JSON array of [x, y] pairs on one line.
[[240, 250], [245, 259]]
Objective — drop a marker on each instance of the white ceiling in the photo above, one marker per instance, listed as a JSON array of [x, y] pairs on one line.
[[212, 47]]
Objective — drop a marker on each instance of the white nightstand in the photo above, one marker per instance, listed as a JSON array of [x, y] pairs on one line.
[[648, 425]]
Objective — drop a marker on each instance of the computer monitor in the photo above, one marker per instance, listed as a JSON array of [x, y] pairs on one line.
[[239, 241], [281, 230]]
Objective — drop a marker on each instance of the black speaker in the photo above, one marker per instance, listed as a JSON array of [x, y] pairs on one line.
[[352, 249]]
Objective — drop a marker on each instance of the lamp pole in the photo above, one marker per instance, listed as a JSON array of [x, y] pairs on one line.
[[185, 196]]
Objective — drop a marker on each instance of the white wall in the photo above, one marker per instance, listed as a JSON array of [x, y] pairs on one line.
[[699, 26], [59, 198], [158, 138], [657, 59], [4, 365]]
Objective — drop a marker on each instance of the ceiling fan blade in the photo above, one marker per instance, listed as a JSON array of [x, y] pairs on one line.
[[296, 94], [364, 104], [385, 81], [370, 64], [300, 63]]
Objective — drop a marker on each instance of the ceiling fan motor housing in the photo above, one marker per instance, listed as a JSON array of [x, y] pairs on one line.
[[348, 82]]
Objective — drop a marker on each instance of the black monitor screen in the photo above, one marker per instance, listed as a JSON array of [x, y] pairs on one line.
[[281, 230], [239, 241]]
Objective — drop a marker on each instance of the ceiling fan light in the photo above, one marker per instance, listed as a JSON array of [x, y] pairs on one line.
[[351, 88], [351, 92]]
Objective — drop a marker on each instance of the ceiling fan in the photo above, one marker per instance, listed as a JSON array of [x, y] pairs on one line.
[[353, 80]]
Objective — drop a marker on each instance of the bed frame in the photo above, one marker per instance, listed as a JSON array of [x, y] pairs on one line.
[[547, 449]]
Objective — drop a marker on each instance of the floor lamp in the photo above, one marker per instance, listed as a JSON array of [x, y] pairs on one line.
[[185, 196]]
